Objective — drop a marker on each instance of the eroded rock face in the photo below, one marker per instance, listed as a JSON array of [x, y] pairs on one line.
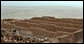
[[42, 30]]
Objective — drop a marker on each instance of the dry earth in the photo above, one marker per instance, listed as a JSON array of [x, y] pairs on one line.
[[42, 30]]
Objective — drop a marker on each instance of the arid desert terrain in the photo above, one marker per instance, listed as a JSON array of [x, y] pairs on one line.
[[41, 24]]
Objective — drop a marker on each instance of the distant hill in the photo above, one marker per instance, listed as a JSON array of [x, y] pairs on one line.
[[21, 12]]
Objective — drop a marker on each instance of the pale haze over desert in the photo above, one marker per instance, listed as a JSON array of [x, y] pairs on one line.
[[41, 21], [28, 9]]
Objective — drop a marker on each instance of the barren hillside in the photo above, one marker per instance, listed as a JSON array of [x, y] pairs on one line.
[[42, 30]]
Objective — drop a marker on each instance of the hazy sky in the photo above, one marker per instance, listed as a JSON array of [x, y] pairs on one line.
[[42, 3]]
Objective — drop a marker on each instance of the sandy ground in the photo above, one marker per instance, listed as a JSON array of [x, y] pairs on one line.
[[37, 11]]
